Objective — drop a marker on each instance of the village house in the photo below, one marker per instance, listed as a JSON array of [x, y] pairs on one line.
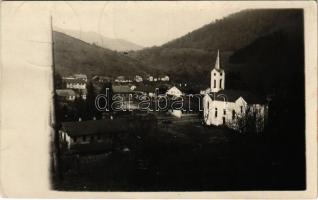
[[82, 94], [138, 79], [102, 79], [125, 97], [82, 77], [122, 89], [232, 108], [91, 132], [148, 90], [174, 91], [122, 79], [149, 78], [164, 78], [75, 82], [66, 94]]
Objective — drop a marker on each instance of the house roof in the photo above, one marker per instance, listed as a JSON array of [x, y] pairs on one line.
[[73, 80], [65, 92], [83, 76], [120, 77], [121, 89], [233, 95], [146, 88], [92, 127], [174, 88]]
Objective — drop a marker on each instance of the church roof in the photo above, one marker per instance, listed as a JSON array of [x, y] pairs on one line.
[[217, 65], [233, 95]]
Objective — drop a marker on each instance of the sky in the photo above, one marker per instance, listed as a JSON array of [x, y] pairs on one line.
[[144, 23]]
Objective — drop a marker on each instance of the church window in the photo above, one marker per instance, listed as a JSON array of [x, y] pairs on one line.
[[221, 73], [216, 112], [224, 111], [241, 109], [233, 114], [220, 83], [214, 74], [214, 83]]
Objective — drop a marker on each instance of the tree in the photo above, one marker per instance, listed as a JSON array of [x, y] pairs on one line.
[[91, 95], [249, 122], [58, 81]]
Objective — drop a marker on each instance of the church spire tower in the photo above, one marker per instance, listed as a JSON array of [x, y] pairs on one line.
[[217, 62], [217, 76]]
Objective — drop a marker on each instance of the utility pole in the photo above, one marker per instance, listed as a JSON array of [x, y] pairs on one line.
[[54, 122]]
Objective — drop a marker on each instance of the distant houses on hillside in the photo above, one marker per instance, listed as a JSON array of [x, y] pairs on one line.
[[163, 78], [122, 79], [139, 79], [130, 89]]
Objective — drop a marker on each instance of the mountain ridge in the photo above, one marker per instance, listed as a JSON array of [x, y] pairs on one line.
[[72, 55], [92, 37]]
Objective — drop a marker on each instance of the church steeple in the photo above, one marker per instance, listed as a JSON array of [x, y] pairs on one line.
[[217, 62], [217, 76]]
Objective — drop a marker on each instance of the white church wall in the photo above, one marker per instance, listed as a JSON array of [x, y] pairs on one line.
[[233, 114]]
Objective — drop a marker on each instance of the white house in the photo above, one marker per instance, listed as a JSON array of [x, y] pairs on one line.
[[149, 78], [138, 78], [174, 91], [75, 83], [232, 108], [66, 94], [164, 78]]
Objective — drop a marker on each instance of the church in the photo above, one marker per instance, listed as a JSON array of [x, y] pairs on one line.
[[236, 109]]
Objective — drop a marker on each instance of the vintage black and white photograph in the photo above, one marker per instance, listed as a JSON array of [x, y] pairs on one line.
[[172, 96]]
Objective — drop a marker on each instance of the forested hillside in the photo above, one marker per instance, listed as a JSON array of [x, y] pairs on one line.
[[75, 56], [191, 57]]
